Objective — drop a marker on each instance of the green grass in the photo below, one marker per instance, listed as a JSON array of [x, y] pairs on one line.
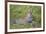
[[20, 26], [26, 25]]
